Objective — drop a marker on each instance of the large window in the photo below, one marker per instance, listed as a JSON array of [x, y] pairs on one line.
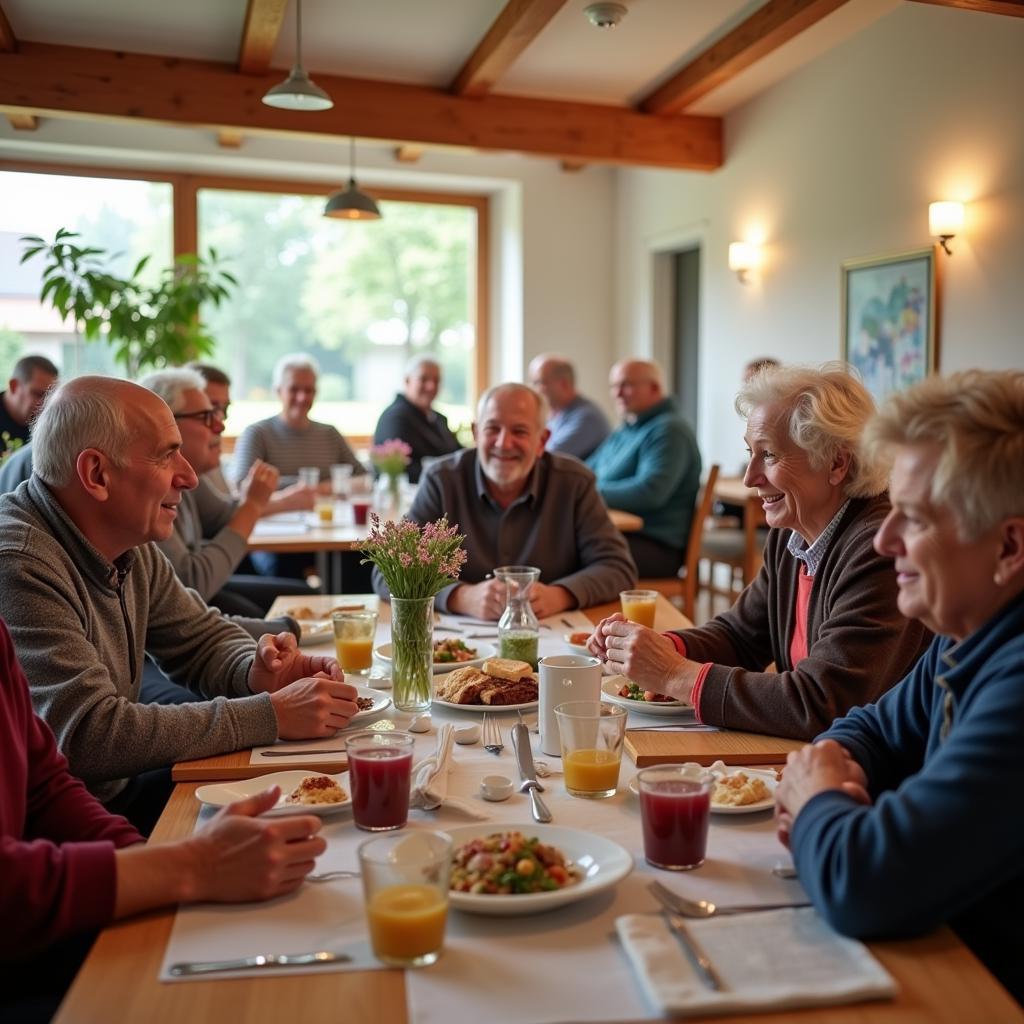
[[128, 217], [361, 297]]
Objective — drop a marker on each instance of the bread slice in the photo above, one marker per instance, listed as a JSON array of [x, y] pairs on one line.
[[507, 668]]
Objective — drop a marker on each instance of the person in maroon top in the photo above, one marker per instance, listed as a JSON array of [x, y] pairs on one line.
[[68, 867]]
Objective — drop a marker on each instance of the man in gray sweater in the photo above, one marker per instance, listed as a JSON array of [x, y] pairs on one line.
[[86, 595]]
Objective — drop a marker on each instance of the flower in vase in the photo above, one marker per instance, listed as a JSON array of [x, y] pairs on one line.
[[415, 561], [391, 457]]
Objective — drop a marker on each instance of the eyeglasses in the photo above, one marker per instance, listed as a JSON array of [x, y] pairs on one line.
[[210, 417]]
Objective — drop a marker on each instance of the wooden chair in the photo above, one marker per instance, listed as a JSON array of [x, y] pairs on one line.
[[690, 572]]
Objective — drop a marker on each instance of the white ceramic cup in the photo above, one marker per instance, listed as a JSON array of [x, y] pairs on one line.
[[564, 677]]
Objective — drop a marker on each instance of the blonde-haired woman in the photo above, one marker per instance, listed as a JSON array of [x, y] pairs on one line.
[[823, 608], [905, 815]]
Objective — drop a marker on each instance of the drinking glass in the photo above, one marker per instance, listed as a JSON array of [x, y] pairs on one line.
[[354, 633], [639, 606], [323, 506], [341, 478], [379, 770], [591, 735], [675, 808], [405, 882], [309, 476]]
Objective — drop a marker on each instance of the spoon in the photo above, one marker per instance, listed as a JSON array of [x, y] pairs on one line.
[[330, 876]]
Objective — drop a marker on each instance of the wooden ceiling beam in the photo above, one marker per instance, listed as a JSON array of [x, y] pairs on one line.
[[765, 30], [518, 24], [263, 21], [8, 44], [61, 80], [1013, 8]]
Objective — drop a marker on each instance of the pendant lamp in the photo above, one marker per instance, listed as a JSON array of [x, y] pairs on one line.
[[298, 91], [349, 203]]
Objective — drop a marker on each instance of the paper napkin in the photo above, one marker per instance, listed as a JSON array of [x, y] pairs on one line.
[[430, 779]]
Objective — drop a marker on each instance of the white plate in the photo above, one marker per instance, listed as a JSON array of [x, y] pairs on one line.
[[381, 702], [482, 708], [611, 685], [315, 632], [604, 863], [762, 805], [220, 794], [483, 652]]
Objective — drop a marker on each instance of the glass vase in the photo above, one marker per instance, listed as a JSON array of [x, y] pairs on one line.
[[412, 652], [387, 495]]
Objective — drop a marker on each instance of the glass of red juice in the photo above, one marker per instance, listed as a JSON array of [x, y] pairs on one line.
[[379, 770], [675, 808], [360, 510]]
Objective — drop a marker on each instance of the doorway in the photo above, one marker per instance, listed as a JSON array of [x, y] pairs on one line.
[[686, 330]]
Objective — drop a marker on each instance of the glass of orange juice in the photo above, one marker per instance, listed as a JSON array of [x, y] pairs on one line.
[[591, 735], [638, 606], [354, 633], [405, 883]]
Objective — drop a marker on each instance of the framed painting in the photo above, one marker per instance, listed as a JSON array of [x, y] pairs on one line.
[[890, 332]]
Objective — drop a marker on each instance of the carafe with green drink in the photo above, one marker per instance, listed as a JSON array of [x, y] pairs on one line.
[[518, 628]]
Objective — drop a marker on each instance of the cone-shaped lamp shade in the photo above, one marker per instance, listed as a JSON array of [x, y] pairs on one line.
[[351, 204], [298, 91]]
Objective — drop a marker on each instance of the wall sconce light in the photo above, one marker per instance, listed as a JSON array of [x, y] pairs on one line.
[[945, 220], [743, 258]]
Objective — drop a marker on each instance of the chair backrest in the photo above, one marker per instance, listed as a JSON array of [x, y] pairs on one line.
[[702, 509]]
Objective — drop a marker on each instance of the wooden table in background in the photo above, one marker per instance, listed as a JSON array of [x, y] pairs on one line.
[[625, 522], [733, 491]]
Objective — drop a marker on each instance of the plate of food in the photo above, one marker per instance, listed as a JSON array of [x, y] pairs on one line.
[[737, 790], [449, 654], [577, 642], [302, 792], [530, 869], [499, 684], [371, 702], [624, 692]]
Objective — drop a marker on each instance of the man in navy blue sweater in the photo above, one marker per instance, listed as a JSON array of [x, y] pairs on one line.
[[906, 814]]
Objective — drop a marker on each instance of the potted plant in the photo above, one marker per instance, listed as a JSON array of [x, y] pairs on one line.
[[148, 325]]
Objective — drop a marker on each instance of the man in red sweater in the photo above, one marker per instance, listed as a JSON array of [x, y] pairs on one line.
[[68, 867]]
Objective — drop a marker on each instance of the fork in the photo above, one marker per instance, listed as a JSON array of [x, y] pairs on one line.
[[705, 908], [491, 734]]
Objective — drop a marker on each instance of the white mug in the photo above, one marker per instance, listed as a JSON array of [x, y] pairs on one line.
[[564, 677]]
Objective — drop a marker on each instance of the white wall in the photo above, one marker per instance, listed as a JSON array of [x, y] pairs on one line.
[[839, 161], [551, 231]]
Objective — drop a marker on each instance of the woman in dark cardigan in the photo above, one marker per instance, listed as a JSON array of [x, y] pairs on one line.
[[821, 616]]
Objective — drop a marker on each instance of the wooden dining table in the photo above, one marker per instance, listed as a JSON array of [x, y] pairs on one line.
[[939, 978]]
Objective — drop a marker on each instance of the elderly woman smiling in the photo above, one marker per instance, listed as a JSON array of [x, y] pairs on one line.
[[823, 607], [906, 814]]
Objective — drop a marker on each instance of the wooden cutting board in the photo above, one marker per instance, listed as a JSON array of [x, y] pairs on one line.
[[739, 748], [236, 766]]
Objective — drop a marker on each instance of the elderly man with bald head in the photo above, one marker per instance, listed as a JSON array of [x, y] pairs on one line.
[[520, 505], [649, 466], [577, 425], [86, 594]]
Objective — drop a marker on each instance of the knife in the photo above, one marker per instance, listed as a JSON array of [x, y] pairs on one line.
[[300, 753], [322, 957], [693, 951], [528, 772]]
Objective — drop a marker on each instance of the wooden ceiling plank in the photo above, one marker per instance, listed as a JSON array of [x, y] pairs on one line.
[[263, 21], [765, 30], [23, 122], [518, 24], [48, 79], [8, 43], [1012, 8]]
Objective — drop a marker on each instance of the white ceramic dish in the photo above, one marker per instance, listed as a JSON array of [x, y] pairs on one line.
[[483, 652], [611, 685], [762, 805], [316, 632], [381, 702], [604, 863], [220, 794], [580, 649], [481, 708]]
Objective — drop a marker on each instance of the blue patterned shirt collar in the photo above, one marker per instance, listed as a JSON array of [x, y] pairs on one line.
[[811, 555]]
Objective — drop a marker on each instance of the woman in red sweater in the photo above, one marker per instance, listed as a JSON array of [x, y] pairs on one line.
[[68, 867]]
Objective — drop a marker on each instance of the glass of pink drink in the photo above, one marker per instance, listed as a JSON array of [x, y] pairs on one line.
[[379, 770], [675, 808]]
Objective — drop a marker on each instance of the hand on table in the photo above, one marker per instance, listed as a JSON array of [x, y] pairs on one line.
[[548, 600], [242, 857], [484, 600], [293, 498], [646, 657], [311, 708], [811, 770], [279, 661]]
